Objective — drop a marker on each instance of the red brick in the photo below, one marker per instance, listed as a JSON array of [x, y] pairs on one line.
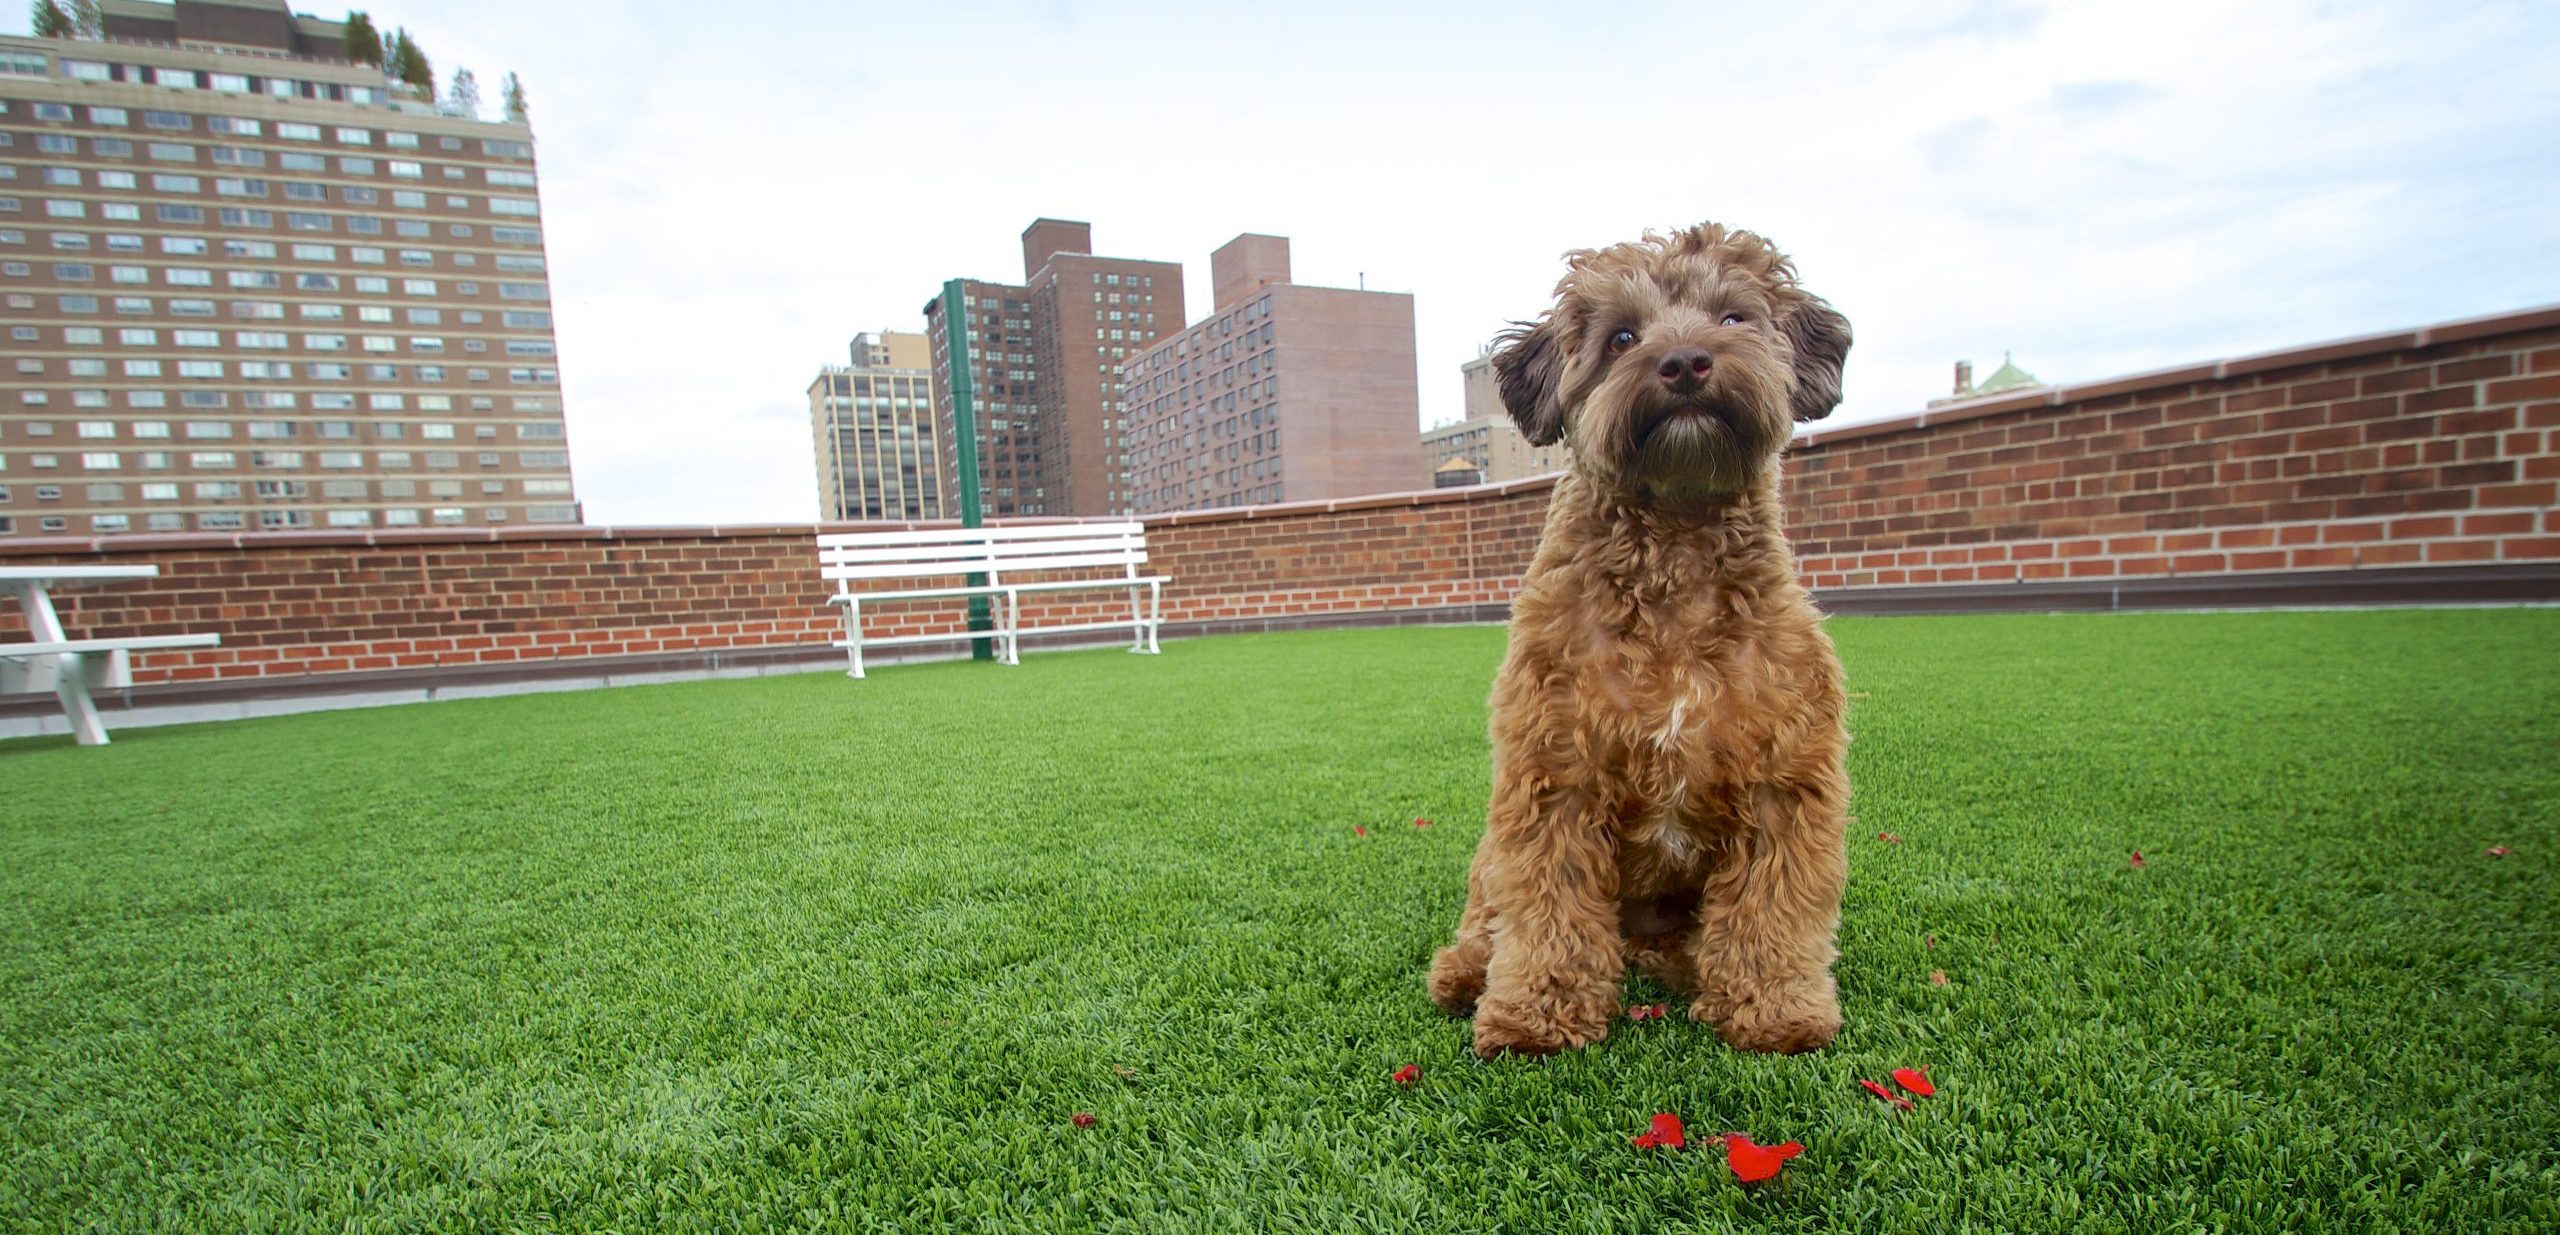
[[2525, 389]]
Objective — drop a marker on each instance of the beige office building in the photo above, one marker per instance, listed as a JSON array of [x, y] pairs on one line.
[[1283, 393], [873, 423], [1488, 441], [249, 285]]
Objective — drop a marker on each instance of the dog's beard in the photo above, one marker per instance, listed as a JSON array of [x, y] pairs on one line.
[[1708, 443]]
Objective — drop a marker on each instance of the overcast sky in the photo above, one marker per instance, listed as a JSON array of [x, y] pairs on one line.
[[730, 192]]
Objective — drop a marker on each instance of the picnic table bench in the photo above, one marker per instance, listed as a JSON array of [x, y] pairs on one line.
[[73, 668], [991, 562]]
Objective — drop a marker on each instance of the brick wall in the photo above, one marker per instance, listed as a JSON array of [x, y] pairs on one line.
[[2434, 447], [2427, 447]]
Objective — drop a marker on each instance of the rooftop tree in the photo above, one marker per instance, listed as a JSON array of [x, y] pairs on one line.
[[407, 62], [364, 43]]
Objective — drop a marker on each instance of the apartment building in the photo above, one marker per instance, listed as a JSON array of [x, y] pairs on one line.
[[1283, 393], [1044, 370], [873, 421], [1089, 314], [991, 323], [1488, 441], [249, 285]]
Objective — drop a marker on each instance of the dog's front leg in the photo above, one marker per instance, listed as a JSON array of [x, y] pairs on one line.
[[1457, 971], [1766, 924], [1556, 969]]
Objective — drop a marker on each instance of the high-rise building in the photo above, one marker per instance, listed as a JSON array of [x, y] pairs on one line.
[[250, 285], [1284, 392], [1044, 371], [993, 325], [1488, 441], [1089, 314], [874, 427]]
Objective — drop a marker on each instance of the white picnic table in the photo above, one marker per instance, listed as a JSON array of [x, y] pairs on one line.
[[50, 659]]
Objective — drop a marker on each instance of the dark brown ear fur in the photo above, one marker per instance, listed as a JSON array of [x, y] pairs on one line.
[[1526, 364], [1821, 340]]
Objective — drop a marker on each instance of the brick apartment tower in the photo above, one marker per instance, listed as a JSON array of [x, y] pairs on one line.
[[1284, 393], [1088, 315], [1045, 359], [250, 285], [995, 331], [873, 425]]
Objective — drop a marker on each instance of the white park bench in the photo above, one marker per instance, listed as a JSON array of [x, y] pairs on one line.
[[74, 668], [939, 564]]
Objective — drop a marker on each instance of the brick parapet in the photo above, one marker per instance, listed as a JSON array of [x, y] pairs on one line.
[[2432, 447]]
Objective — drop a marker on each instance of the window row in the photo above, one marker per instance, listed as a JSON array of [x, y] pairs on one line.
[[388, 430], [115, 492], [296, 460], [290, 520], [240, 126], [304, 221]]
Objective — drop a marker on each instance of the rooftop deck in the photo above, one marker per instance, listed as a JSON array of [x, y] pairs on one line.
[[808, 952]]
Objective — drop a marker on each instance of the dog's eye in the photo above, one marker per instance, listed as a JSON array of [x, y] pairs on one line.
[[1621, 341], [1733, 319]]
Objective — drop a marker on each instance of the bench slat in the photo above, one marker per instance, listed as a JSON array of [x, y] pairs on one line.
[[997, 553], [980, 535], [1051, 585], [137, 643], [909, 570], [940, 636]]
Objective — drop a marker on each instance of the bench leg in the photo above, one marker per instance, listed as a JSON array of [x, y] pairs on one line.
[[853, 638], [72, 687], [1013, 628], [1154, 619]]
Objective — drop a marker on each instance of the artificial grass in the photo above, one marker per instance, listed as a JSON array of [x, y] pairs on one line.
[[809, 953]]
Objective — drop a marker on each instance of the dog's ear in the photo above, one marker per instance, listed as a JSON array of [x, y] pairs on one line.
[[1526, 364], [1821, 340]]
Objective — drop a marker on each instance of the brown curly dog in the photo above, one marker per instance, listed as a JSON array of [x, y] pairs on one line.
[[1668, 787]]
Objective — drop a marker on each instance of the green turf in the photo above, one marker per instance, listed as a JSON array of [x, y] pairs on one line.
[[806, 952]]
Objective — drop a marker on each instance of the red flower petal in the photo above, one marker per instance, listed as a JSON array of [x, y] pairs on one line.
[[1914, 1080], [1890, 838], [1408, 1074], [1081, 1119], [1668, 1132], [1644, 1140], [1660, 1010], [1422, 823], [1886, 1094], [2137, 859], [2499, 851], [1359, 829], [1937, 977], [1753, 1163]]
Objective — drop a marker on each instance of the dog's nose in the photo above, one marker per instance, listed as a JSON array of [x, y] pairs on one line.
[[1686, 369]]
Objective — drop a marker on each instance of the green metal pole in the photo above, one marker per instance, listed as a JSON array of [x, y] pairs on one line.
[[964, 439]]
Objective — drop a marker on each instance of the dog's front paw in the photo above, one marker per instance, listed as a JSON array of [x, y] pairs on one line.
[[1785, 1020], [1457, 979], [1504, 1029]]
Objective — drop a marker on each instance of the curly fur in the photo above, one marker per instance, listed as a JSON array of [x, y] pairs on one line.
[[1669, 788]]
